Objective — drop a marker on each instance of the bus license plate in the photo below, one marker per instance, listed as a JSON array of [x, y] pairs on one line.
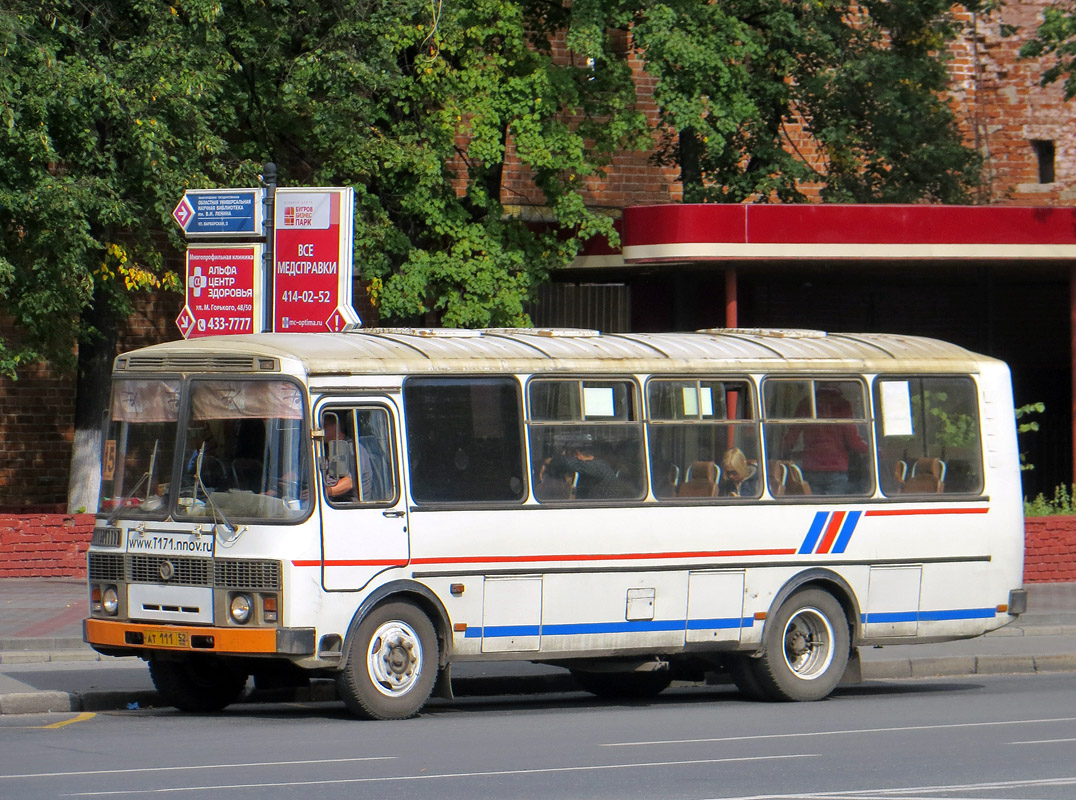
[[166, 639]]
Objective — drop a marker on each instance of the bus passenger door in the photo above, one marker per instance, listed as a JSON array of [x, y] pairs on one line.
[[363, 512]]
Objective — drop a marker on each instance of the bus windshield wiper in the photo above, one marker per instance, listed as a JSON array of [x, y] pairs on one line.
[[228, 527], [147, 478]]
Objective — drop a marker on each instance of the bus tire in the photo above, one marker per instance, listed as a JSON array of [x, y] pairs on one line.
[[623, 685], [200, 683], [391, 665], [805, 649], [745, 676]]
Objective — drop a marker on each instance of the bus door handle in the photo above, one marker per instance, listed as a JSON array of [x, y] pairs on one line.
[[393, 514]]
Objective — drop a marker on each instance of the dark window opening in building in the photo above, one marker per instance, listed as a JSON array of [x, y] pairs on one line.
[[1044, 152]]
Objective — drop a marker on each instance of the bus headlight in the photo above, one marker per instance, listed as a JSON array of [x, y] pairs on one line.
[[110, 600], [241, 608]]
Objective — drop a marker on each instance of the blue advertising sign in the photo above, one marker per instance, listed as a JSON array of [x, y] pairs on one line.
[[221, 212]]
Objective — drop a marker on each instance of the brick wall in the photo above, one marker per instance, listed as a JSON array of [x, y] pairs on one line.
[[44, 545], [55, 545], [1002, 108], [1050, 549]]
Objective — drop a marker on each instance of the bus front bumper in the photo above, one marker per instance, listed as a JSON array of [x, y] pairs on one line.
[[114, 635]]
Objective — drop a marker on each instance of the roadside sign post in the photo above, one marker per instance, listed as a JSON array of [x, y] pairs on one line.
[[312, 255], [221, 212], [224, 292], [264, 259]]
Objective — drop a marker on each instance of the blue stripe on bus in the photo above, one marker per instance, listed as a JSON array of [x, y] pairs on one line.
[[931, 616], [846, 531], [719, 624], [817, 527], [635, 626]]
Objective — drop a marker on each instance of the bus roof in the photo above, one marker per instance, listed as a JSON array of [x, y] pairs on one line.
[[533, 350]]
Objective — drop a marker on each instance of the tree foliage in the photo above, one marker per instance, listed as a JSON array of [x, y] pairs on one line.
[[103, 118], [1055, 40], [864, 80], [110, 109]]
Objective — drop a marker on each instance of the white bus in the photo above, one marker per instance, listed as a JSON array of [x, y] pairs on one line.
[[381, 504]]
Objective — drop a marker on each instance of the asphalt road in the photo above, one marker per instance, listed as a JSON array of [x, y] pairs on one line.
[[979, 737]]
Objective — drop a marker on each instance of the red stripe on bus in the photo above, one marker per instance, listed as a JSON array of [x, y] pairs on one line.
[[831, 532], [350, 563], [601, 557], [907, 512], [564, 557]]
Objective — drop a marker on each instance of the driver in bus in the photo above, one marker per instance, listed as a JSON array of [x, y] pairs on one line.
[[340, 474]]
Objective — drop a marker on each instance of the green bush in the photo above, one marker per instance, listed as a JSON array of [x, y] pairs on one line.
[[1063, 502]]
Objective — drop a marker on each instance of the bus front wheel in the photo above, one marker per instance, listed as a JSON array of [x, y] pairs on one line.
[[391, 664], [805, 651], [200, 683]]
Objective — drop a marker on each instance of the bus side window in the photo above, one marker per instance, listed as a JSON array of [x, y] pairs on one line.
[[358, 456], [927, 429], [464, 439], [703, 439], [820, 427], [586, 440]]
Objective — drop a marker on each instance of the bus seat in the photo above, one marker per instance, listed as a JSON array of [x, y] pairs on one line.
[[701, 480], [928, 477], [786, 479]]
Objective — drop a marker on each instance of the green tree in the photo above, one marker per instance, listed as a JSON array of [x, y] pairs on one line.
[[111, 109], [103, 116], [1055, 40], [420, 107], [864, 80]]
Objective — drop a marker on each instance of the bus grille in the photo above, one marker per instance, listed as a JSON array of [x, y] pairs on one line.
[[247, 574], [221, 574], [106, 567], [184, 571]]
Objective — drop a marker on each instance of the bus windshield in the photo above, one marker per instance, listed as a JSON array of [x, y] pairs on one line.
[[241, 452], [139, 447]]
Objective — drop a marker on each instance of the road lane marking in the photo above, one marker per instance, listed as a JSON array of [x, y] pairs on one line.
[[1044, 741], [85, 715], [854, 732], [909, 792], [440, 776], [194, 767]]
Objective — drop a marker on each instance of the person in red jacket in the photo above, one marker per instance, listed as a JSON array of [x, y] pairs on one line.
[[827, 447]]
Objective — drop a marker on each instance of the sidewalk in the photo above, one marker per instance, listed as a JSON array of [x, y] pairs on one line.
[[45, 666]]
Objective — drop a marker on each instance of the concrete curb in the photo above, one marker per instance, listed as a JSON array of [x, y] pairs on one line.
[[320, 691]]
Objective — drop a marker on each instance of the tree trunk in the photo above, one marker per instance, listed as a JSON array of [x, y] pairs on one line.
[[91, 401]]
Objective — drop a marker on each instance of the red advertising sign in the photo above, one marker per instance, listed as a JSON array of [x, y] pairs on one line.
[[312, 242], [223, 291]]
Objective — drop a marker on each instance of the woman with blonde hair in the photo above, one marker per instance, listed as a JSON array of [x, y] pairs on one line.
[[737, 475]]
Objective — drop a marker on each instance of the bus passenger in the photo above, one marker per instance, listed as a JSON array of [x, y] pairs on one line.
[[738, 477], [827, 448], [597, 478]]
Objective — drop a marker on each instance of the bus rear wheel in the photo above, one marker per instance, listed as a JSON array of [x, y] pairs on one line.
[[200, 683], [391, 664], [805, 651]]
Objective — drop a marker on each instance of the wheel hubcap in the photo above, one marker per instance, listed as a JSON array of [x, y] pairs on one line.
[[808, 643], [395, 659]]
